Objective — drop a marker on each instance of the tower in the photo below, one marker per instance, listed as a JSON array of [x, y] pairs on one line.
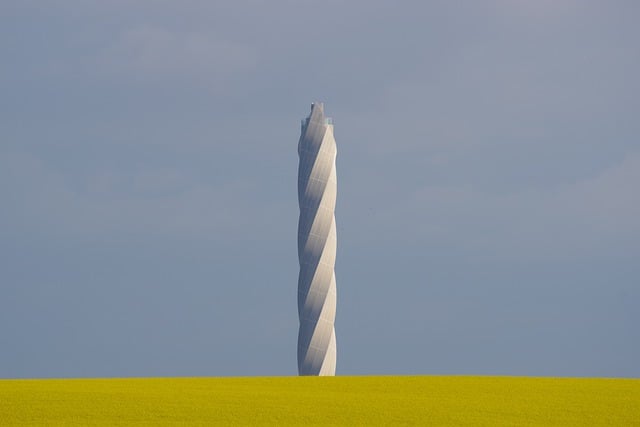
[[317, 186]]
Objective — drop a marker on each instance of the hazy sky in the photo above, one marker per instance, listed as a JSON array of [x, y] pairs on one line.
[[488, 185]]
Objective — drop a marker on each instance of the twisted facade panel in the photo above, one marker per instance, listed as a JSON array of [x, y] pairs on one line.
[[317, 187]]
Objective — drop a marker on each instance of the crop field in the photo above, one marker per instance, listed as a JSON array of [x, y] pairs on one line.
[[422, 400]]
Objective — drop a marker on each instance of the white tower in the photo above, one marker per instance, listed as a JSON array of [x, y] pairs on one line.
[[317, 245]]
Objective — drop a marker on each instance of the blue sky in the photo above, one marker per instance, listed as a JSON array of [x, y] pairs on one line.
[[488, 172]]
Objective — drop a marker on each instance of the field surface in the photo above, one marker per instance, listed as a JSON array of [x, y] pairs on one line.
[[421, 400]]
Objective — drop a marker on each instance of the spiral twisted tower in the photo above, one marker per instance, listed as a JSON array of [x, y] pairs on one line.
[[317, 187]]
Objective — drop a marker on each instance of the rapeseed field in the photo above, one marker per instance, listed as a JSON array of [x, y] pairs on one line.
[[381, 400]]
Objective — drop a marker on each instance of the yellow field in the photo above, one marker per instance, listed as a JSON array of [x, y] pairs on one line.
[[424, 400]]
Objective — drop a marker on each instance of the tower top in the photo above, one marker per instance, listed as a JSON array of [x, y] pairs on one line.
[[320, 107]]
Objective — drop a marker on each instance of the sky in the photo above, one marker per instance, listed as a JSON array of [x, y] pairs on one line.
[[488, 167]]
